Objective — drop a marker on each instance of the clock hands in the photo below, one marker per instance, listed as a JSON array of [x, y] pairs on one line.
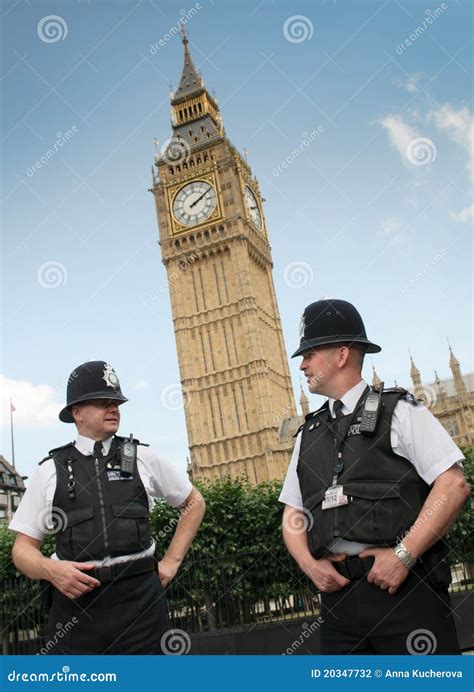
[[198, 199]]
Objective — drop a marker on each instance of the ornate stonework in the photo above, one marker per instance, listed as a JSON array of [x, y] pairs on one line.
[[232, 359]]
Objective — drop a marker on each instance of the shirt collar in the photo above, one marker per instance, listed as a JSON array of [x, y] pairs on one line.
[[86, 444], [349, 399]]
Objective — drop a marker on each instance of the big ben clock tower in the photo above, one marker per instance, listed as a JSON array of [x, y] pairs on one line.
[[232, 359]]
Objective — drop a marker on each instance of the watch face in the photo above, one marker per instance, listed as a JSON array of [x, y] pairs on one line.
[[253, 208], [194, 203]]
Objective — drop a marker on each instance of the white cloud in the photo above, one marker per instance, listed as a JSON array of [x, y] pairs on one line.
[[466, 214], [400, 133], [410, 83], [141, 384], [35, 404], [459, 126]]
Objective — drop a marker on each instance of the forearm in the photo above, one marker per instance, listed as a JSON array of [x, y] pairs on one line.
[[439, 512], [187, 527], [295, 540], [29, 560]]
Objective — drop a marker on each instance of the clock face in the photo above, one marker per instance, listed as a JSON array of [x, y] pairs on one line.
[[194, 203], [253, 208]]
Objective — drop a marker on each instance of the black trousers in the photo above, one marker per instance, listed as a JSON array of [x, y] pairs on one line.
[[361, 618], [127, 616]]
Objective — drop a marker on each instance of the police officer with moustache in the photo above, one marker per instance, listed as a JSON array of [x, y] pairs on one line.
[[95, 493], [373, 485]]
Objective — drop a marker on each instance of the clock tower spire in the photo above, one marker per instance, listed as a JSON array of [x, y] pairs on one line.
[[232, 358]]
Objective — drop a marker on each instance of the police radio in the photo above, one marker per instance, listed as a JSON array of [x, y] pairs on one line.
[[128, 454], [371, 412]]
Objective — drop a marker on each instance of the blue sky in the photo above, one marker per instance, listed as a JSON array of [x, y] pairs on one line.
[[376, 208]]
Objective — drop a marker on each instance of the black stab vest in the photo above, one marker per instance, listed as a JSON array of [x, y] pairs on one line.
[[384, 490], [106, 517]]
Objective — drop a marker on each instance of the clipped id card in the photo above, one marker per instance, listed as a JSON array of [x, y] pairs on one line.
[[334, 497]]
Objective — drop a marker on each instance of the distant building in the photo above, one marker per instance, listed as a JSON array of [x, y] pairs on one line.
[[451, 400], [12, 488]]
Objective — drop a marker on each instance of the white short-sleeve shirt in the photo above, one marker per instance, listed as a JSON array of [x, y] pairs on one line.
[[160, 479], [415, 434]]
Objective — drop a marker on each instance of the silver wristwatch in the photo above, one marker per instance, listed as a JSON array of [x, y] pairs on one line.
[[404, 555]]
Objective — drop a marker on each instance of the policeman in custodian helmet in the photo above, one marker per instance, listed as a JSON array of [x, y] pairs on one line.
[[94, 494], [375, 482]]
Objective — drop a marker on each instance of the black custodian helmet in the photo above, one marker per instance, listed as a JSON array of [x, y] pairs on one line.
[[331, 321], [93, 380]]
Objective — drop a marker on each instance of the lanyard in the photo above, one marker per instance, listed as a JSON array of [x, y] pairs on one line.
[[338, 466]]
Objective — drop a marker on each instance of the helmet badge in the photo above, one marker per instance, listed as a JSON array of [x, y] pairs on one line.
[[302, 325], [111, 379]]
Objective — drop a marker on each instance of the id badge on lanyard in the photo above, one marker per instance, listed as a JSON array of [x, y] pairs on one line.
[[334, 497]]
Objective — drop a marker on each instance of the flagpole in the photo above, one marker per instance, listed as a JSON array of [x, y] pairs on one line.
[[11, 428]]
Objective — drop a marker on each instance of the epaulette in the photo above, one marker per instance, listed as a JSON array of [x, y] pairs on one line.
[[405, 394], [52, 452], [321, 409], [135, 440]]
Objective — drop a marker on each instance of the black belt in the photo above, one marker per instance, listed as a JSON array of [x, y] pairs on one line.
[[123, 569], [354, 567]]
